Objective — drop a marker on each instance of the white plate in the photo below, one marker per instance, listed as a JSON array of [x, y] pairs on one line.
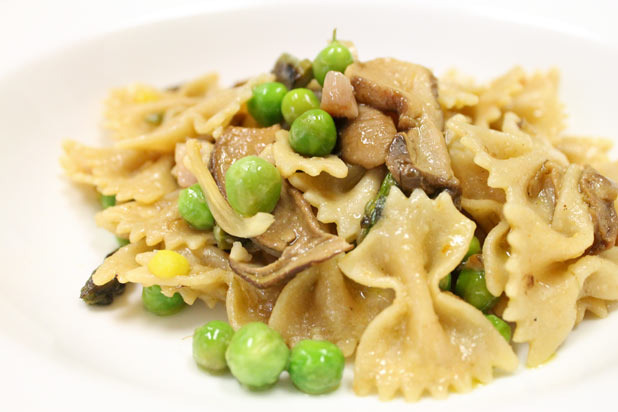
[[55, 352]]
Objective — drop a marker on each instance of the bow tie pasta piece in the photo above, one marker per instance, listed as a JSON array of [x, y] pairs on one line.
[[158, 222], [340, 201], [126, 173], [549, 223], [127, 108], [119, 263], [456, 91], [207, 117], [427, 340], [289, 162], [533, 98], [321, 303], [208, 279], [247, 303]]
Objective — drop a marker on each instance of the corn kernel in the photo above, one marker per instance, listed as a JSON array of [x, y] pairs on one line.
[[167, 264], [145, 94]]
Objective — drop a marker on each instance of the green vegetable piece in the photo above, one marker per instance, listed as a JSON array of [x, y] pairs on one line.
[[313, 133], [297, 102], [122, 241], [445, 282], [210, 343], [316, 367], [156, 302], [292, 72], [257, 355], [193, 208], [474, 248], [335, 57], [101, 295], [265, 105], [471, 287], [107, 201], [154, 119], [252, 185], [502, 326], [373, 208], [223, 239]]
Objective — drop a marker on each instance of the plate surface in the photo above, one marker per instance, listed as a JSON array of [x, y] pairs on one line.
[[56, 352]]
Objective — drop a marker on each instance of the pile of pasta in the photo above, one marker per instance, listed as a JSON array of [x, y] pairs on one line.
[[380, 301]]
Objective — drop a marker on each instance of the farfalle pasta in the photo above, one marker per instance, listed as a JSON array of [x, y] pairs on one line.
[[416, 223], [427, 340]]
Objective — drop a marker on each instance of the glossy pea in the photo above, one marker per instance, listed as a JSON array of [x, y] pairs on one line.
[[335, 57], [156, 302], [313, 133], [501, 326], [472, 288], [252, 185], [265, 104], [193, 208], [297, 102], [473, 248], [210, 343], [316, 366], [257, 355]]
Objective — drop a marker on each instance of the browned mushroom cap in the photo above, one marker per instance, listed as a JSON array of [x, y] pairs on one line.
[[419, 159], [298, 235], [236, 143], [600, 193], [392, 85], [365, 139]]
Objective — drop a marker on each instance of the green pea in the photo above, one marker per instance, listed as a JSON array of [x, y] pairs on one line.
[[107, 201], [316, 366], [313, 133], [193, 208], [156, 302], [257, 355], [502, 326], [445, 282], [474, 248], [122, 241], [297, 102], [335, 57], [210, 343], [265, 105], [252, 185], [471, 287]]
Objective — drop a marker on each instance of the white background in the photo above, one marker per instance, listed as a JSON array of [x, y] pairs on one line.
[[29, 28]]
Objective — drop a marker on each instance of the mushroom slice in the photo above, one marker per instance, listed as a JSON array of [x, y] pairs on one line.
[[392, 85], [600, 193], [300, 238], [338, 96], [419, 159], [365, 140], [236, 143]]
